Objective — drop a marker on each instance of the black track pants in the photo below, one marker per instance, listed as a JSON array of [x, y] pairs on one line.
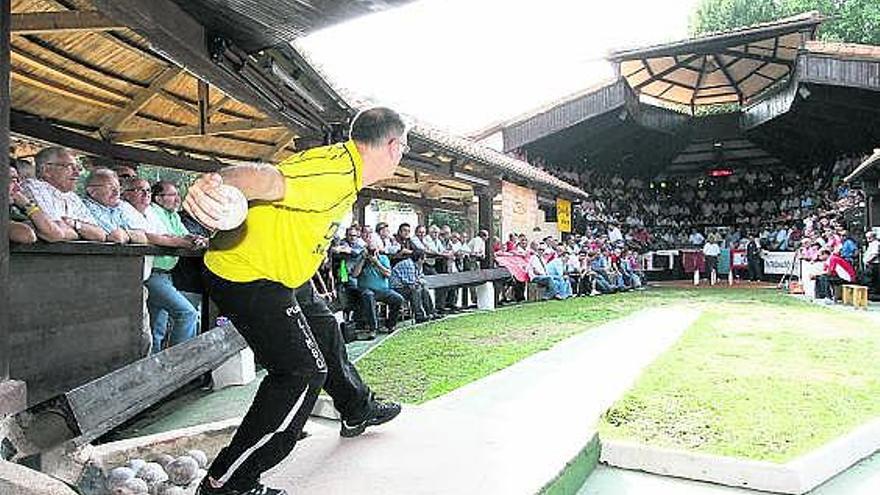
[[296, 338]]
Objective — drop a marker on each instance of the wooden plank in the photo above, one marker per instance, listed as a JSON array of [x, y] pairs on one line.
[[62, 22], [279, 146], [88, 248], [203, 106], [65, 91], [5, 65], [216, 107], [180, 102], [191, 131], [473, 277], [46, 130], [140, 100], [86, 411], [413, 200], [21, 56], [60, 316]]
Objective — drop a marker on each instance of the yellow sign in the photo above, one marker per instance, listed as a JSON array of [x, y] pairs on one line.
[[563, 215]]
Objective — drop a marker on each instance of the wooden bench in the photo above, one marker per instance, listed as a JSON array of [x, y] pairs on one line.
[[855, 295], [483, 279]]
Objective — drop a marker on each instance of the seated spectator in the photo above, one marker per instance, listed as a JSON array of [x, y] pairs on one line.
[[872, 260], [104, 202], [350, 253], [404, 239], [538, 274], [556, 269], [477, 250], [162, 294], [27, 222], [166, 204], [838, 271], [849, 248], [428, 245], [373, 280], [53, 192], [384, 241], [408, 280]]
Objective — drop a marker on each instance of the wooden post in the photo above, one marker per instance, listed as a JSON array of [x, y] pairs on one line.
[[5, 13], [486, 198], [360, 210]]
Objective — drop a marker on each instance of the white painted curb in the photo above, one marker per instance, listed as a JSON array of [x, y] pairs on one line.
[[796, 477]]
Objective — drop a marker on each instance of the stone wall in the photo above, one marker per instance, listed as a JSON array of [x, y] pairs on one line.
[[519, 210]]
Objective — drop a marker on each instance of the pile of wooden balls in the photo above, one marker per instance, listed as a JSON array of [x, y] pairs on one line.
[[161, 475]]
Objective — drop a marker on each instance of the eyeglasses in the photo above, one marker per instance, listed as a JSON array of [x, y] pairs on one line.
[[143, 190], [69, 166], [169, 194], [112, 187]]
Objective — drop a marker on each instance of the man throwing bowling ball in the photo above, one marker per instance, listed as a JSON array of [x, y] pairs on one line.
[[259, 275]]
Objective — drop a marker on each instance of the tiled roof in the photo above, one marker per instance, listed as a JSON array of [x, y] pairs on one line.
[[844, 50]]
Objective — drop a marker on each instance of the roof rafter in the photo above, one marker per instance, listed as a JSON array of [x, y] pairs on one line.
[[190, 131], [664, 72], [140, 100], [62, 22]]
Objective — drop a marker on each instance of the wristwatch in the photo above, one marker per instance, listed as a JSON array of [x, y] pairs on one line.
[[77, 225]]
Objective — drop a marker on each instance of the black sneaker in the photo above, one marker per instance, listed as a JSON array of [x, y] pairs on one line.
[[381, 412], [258, 489]]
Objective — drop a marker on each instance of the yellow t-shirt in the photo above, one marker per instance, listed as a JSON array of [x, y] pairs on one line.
[[286, 240]]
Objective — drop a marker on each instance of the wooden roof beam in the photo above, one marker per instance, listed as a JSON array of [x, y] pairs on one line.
[[24, 57], [279, 146], [62, 22], [730, 78], [48, 130], [193, 131], [216, 107], [139, 101], [66, 91], [664, 72], [757, 57]]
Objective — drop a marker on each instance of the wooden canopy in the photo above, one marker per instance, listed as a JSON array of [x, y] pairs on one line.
[[731, 67]]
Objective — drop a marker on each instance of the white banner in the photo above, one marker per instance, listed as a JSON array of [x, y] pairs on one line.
[[778, 262]]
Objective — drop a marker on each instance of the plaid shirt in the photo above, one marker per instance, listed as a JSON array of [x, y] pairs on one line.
[[56, 204], [405, 274], [109, 218]]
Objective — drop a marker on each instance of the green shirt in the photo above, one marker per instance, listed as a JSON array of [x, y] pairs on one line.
[[171, 220]]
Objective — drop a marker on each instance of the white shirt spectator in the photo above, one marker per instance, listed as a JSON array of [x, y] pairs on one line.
[[872, 252], [614, 234], [711, 248], [696, 239], [56, 204], [537, 267], [477, 247]]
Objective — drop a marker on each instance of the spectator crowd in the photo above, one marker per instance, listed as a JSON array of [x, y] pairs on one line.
[[376, 273]]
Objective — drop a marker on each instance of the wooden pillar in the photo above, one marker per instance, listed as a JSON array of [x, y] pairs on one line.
[[360, 209], [484, 220], [13, 397], [4, 188]]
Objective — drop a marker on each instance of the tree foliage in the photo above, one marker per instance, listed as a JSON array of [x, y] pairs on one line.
[[853, 21]]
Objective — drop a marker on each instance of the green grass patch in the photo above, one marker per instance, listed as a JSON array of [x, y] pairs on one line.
[[758, 376], [426, 362]]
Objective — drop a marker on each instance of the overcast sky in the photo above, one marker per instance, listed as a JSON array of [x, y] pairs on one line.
[[465, 64]]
